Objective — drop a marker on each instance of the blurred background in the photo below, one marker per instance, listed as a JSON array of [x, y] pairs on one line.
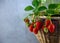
[[12, 26]]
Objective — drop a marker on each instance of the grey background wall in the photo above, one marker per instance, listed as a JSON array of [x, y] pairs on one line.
[[12, 27]]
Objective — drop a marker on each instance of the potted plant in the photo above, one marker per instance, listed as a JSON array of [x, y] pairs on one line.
[[44, 21]]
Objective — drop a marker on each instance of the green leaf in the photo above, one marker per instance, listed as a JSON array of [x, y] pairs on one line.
[[52, 6], [28, 8], [50, 11], [35, 12], [30, 14], [42, 8], [45, 14], [39, 1], [35, 3], [58, 6]]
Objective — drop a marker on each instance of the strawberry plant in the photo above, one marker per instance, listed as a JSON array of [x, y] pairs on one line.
[[38, 9]]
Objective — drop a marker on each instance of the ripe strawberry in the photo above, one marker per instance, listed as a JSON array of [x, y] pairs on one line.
[[38, 25], [43, 27], [31, 28], [47, 22], [35, 30], [51, 28], [32, 23]]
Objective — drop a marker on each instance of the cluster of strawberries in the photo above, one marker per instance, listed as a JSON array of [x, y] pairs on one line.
[[47, 26]]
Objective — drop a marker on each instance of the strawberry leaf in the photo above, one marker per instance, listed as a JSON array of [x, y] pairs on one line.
[[39, 1], [58, 6], [35, 3], [30, 14], [52, 6], [42, 8], [50, 11], [28, 8], [36, 11]]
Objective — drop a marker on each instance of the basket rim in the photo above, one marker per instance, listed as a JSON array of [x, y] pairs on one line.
[[44, 17]]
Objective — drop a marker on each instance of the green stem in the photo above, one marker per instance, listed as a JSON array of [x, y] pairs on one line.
[[49, 17]]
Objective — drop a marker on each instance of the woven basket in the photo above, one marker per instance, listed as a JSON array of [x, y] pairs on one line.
[[49, 37]]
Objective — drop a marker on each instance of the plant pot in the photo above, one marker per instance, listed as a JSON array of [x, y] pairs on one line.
[[50, 37]]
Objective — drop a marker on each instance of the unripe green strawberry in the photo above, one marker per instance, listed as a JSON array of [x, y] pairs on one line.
[[28, 24], [45, 29]]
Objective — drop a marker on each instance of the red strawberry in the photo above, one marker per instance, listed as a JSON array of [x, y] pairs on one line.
[[38, 25], [47, 22], [32, 23], [31, 28], [35, 30], [43, 27], [51, 28]]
